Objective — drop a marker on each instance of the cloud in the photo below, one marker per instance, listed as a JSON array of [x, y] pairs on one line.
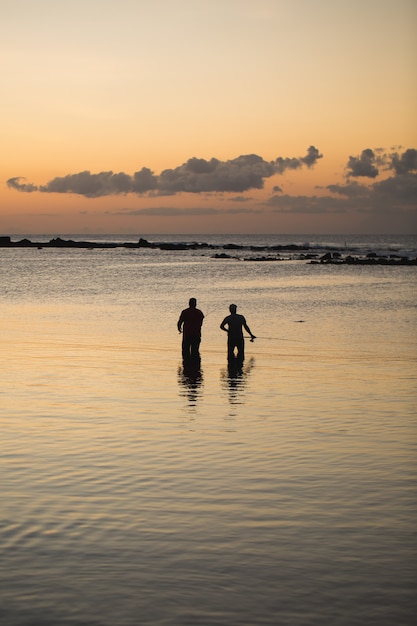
[[178, 211], [404, 163], [370, 160], [401, 189], [14, 183], [241, 199], [307, 204], [197, 176], [310, 159], [378, 182], [90, 185], [350, 190], [363, 165], [394, 195], [144, 181]]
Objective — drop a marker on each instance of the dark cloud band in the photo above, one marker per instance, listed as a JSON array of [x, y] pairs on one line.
[[194, 176]]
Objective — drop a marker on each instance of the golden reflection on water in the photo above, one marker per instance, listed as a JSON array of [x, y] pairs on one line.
[[235, 378], [190, 378], [299, 463]]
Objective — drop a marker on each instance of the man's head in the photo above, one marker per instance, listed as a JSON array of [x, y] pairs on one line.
[[192, 302], [232, 308]]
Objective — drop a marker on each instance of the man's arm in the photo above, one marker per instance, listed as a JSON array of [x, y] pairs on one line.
[[180, 323], [223, 325], [248, 330]]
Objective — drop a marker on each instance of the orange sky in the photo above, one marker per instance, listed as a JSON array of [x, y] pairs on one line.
[[103, 86]]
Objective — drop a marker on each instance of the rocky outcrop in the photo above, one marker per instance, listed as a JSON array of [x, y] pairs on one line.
[[304, 252], [372, 258]]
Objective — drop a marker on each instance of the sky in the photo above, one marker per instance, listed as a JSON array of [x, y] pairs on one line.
[[208, 116]]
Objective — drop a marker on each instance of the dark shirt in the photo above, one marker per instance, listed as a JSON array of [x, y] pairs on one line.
[[191, 320]]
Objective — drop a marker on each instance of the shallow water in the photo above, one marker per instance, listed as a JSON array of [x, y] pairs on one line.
[[134, 492]]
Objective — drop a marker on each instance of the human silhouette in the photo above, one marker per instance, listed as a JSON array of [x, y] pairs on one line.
[[189, 323], [233, 325]]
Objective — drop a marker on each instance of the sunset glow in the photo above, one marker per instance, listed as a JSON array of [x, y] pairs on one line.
[[227, 116]]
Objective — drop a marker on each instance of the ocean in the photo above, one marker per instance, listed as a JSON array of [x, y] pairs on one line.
[[136, 490]]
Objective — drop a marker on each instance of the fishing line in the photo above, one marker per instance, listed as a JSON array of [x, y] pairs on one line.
[[257, 336], [211, 311], [275, 338]]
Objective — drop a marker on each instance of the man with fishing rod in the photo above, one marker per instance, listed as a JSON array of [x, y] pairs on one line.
[[233, 325]]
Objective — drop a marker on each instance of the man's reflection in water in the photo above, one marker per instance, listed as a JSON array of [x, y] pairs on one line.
[[235, 377], [190, 377]]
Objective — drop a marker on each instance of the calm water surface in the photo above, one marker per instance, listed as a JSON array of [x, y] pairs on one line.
[[135, 491]]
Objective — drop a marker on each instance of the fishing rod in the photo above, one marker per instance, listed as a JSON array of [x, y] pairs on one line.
[[273, 338], [211, 311]]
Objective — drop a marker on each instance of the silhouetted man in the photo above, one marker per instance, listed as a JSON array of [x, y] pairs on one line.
[[233, 325], [189, 324]]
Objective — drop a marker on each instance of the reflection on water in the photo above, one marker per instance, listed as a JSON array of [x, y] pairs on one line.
[[290, 500], [190, 378], [234, 378]]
